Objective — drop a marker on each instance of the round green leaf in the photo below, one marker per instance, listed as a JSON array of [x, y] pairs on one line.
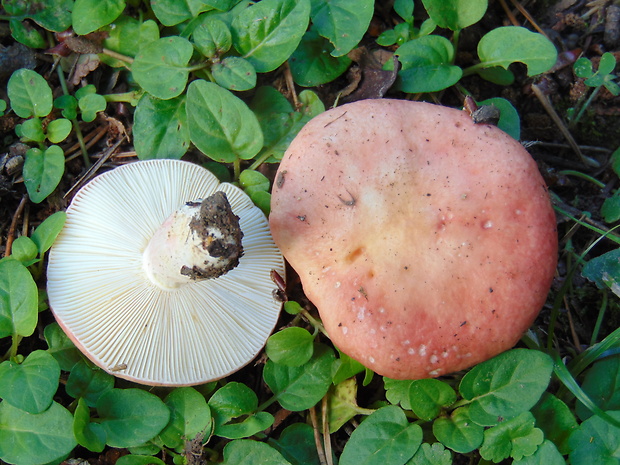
[[90, 105], [160, 128], [251, 425], [29, 94], [89, 435], [601, 384], [516, 438], [248, 452], [56, 16], [131, 417], [384, 437], [128, 36], [90, 15], [427, 65], [595, 442], [311, 65], [429, 396], [68, 104], [161, 66], [253, 181], [59, 129], [556, 419], [212, 37], [43, 170], [290, 347], [190, 416], [546, 454], [231, 401], [509, 120], [234, 73], [506, 385], [24, 250], [29, 439], [88, 383], [31, 130], [28, 36], [296, 444], [299, 388], [458, 432], [268, 32], [18, 300], [31, 385], [509, 44], [342, 22], [220, 124], [455, 14]]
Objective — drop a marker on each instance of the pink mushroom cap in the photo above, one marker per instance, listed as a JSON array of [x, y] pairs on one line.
[[427, 242]]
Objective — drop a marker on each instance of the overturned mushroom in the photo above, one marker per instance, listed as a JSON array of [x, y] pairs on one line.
[[161, 274], [427, 242]]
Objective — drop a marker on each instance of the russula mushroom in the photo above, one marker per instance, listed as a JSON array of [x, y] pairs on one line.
[[161, 275], [427, 242]]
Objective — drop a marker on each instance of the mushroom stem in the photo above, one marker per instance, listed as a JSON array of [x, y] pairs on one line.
[[201, 240]]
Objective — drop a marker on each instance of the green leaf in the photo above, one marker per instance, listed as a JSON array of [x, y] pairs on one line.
[[312, 65], [173, 12], [212, 37], [268, 32], [130, 417], [497, 75], [89, 435], [25, 34], [602, 385], [248, 452], [24, 250], [296, 444], [404, 9], [43, 170], [604, 270], [251, 425], [61, 347], [68, 104], [427, 65], [53, 15], [190, 416], [35, 439], [556, 420], [46, 233], [596, 442], [611, 209], [252, 181], [344, 368], [31, 385], [88, 383], [29, 94], [90, 15], [458, 432], [342, 404], [160, 128], [59, 129], [506, 385], [384, 437], [290, 347], [435, 454], [18, 300], [234, 73], [429, 396], [509, 120], [220, 124], [31, 130], [516, 438], [546, 454], [127, 36], [397, 392], [137, 459], [509, 44], [161, 66], [455, 14], [232, 401], [90, 105], [342, 22], [299, 388]]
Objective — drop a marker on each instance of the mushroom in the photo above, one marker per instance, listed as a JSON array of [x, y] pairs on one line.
[[161, 275], [427, 242]]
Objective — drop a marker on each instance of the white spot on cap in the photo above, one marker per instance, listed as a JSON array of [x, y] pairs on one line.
[[406, 342], [434, 359], [373, 331], [345, 330], [436, 372], [422, 350], [360, 313], [381, 310], [337, 285], [411, 351], [371, 359], [487, 224], [445, 354]]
